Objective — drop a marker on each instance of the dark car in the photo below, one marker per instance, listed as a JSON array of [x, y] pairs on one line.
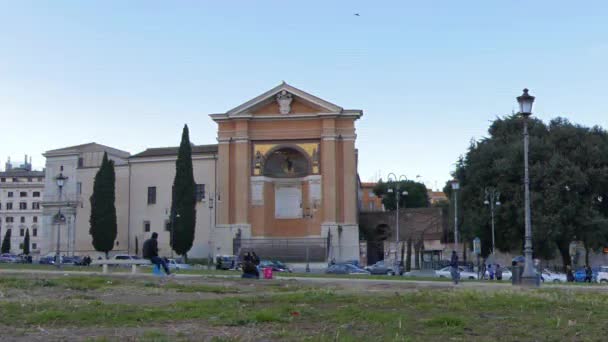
[[346, 269], [276, 266], [381, 268], [47, 260], [225, 262]]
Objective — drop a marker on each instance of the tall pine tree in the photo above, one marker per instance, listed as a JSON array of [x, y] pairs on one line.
[[183, 204], [103, 211], [26, 242], [6, 243]]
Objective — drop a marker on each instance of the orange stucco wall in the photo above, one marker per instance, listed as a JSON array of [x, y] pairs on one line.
[[337, 169]]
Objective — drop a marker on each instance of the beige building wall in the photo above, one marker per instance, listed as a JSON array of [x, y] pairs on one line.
[[159, 172]]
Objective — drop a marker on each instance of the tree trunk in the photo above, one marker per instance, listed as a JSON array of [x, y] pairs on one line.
[[185, 258], [408, 260], [464, 251], [401, 265], [564, 251]]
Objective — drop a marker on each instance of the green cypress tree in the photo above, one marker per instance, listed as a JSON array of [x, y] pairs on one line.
[[6, 243], [103, 211], [183, 204], [26, 242]]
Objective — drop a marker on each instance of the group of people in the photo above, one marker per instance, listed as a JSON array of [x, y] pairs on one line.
[[588, 274], [250, 266], [494, 271]]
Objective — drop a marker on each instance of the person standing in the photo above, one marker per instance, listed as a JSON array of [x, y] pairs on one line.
[[454, 271], [588, 274], [150, 252], [490, 272], [498, 272]]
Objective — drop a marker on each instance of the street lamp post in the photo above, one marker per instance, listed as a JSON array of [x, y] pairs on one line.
[[59, 217], [525, 110], [455, 187], [395, 190], [493, 200]]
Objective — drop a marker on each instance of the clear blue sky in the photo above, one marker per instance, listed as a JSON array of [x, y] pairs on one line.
[[429, 75]]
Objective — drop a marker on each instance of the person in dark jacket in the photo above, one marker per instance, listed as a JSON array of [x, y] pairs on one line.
[[588, 274], [454, 271], [150, 252]]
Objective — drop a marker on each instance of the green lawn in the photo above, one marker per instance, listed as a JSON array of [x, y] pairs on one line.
[[276, 311]]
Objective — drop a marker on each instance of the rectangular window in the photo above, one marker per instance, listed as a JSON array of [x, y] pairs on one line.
[[146, 226], [9, 219], [10, 194], [22, 219], [34, 246], [21, 232], [199, 192], [168, 225], [29, 179], [36, 205], [36, 194], [9, 206], [80, 162], [23, 194], [3, 180], [79, 188], [15, 180], [40, 179], [34, 231], [35, 219], [22, 206], [0, 206], [151, 195]]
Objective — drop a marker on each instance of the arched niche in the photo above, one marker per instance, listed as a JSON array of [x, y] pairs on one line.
[[286, 162]]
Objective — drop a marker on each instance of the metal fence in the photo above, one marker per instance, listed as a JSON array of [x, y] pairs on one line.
[[288, 250]]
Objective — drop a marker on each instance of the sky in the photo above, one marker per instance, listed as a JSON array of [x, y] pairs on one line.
[[429, 75]]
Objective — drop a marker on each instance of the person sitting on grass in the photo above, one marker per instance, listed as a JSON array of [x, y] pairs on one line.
[[250, 269], [150, 252]]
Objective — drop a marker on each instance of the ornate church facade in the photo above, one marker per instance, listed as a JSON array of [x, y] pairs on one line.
[[288, 169]]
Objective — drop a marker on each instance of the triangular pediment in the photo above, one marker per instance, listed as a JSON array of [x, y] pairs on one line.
[[284, 99]]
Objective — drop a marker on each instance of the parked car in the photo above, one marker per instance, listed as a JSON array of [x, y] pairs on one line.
[[126, 257], [47, 260], [178, 265], [553, 277], [445, 273], [346, 269], [283, 266], [9, 258], [381, 268], [602, 275], [225, 262], [276, 266]]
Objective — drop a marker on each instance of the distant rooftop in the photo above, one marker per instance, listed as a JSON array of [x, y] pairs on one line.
[[172, 151]]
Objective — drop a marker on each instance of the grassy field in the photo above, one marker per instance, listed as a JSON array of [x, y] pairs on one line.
[[95, 308]]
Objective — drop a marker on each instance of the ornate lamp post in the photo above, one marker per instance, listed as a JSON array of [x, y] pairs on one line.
[[59, 218], [492, 200], [525, 110], [394, 188], [455, 188]]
